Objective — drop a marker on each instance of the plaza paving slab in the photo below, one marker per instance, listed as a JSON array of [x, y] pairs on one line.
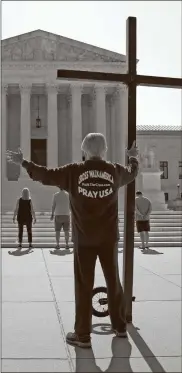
[[38, 310]]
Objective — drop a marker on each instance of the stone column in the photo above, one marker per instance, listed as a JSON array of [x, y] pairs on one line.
[[76, 120], [121, 123], [25, 126], [100, 108], [52, 124], [113, 129], [4, 91]]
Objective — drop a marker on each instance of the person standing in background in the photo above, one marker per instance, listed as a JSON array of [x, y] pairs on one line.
[[25, 213], [61, 215], [143, 209]]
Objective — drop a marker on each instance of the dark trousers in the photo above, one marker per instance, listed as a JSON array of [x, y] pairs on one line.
[[84, 271], [29, 231]]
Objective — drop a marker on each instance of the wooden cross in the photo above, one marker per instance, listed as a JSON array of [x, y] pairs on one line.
[[132, 80]]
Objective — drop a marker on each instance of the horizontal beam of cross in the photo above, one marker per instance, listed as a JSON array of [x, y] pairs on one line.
[[142, 80]]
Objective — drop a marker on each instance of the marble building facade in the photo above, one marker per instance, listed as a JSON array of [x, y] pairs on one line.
[[68, 109]]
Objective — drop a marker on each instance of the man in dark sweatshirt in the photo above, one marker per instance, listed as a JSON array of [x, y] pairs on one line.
[[93, 191]]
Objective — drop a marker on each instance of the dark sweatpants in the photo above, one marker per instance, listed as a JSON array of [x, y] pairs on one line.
[[84, 271], [29, 231]]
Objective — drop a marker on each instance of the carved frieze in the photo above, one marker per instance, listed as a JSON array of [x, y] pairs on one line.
[[44, 49]]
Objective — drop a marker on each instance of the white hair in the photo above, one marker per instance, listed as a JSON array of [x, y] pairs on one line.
[[94, 145], [26, 193]]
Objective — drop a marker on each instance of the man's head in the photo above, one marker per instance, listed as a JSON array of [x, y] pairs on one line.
[[138, 193], [94, 145]]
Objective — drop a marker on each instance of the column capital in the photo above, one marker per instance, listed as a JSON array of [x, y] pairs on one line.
[[4, 88], [52, 88], [119, 89], [98, 88], [25, 88], [76, 88]]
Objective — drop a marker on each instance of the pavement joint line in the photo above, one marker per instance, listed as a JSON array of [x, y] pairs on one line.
[[35, 358], [71, 301], [59, 317], [160, 276], [89, 358], [27, 301]]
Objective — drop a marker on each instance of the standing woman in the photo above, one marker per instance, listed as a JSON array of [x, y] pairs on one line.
[[25, 214]]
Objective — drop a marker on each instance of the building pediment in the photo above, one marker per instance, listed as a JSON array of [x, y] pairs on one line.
[[43, 46]]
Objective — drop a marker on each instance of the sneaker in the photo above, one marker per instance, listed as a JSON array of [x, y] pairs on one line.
[[57, 247], [19, 246], [67, 247], [74, 340], [120, 334]]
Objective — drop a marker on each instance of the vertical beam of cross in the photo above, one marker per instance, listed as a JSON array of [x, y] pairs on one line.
[[128, 252]]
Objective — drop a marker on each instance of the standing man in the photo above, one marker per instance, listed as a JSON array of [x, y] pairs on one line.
[[61, 215], [93, 191], [143, 208]]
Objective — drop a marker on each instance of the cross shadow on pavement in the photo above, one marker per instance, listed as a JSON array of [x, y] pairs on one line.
[[121, 348], [19, 252], [144, 349]]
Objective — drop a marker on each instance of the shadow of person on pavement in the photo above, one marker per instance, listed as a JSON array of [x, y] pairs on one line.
[[85, 361], [60, 252], [150, 252], [20, 252], [121, 352]]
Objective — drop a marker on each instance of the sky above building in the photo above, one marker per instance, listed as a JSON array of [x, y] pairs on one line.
[[103, 24]]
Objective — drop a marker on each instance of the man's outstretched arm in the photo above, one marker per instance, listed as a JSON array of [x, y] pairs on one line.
[[54, 177]]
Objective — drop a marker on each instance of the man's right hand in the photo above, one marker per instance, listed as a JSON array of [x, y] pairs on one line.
[[14, 220], [52, 217], [15, 157]]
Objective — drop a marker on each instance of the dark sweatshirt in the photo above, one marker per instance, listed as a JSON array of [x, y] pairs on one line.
[[93, 190]]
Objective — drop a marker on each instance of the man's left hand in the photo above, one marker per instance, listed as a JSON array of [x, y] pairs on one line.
[[133, 151]]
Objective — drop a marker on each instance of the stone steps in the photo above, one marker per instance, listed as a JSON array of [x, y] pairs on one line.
[[171, 230], [166, 231]]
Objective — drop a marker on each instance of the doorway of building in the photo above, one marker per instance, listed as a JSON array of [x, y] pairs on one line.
[[39, 151]]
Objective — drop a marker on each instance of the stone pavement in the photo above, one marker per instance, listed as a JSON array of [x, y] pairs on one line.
[[38, 310]]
